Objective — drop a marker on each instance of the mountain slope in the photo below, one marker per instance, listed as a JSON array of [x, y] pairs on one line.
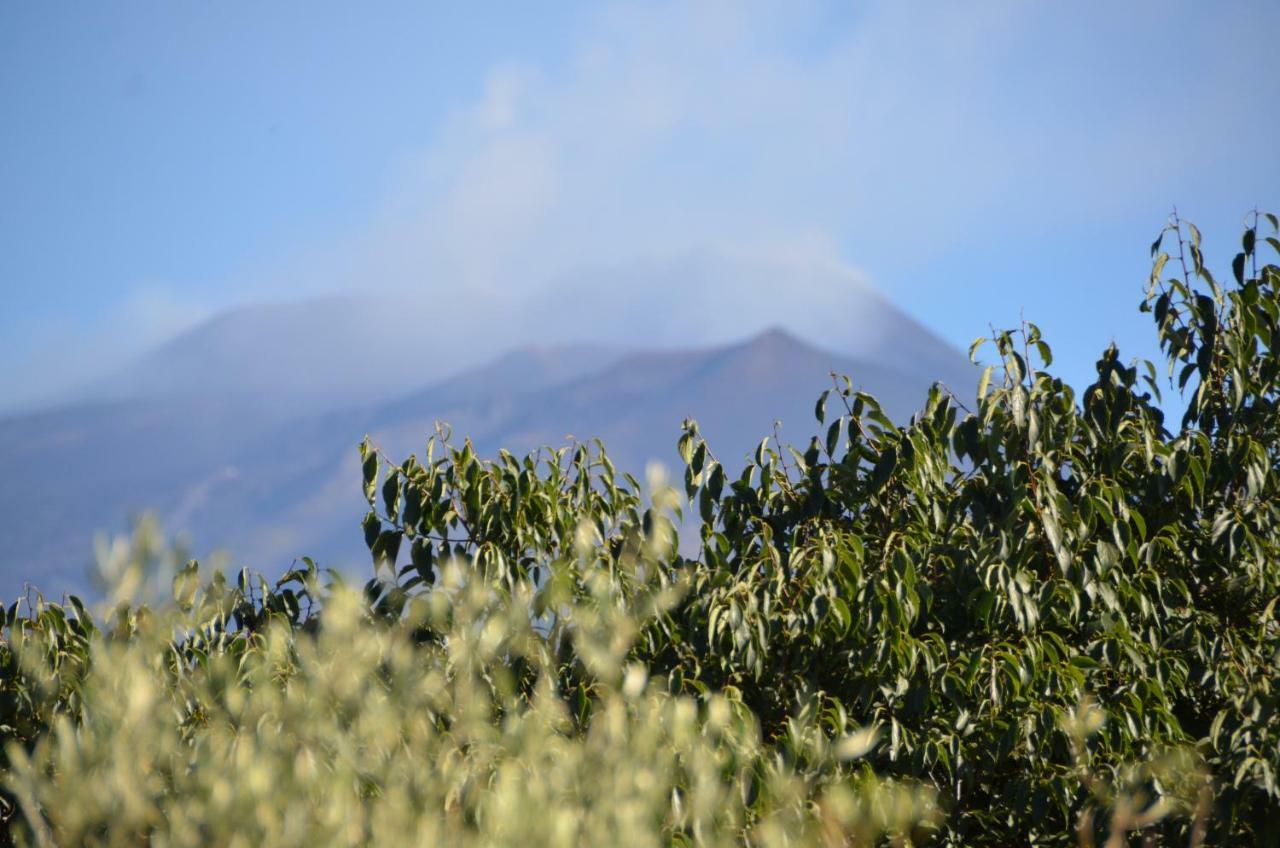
[[243, 431], [736, 392], [219, 466], [325, 353], [715, 297], [634, 406]]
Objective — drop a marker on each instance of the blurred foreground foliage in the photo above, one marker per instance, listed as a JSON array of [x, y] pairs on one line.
[[1028, 618]]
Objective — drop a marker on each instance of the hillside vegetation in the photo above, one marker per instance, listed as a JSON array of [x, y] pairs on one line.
[[1033, 617]]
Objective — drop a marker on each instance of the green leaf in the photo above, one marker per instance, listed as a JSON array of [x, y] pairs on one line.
[[372, 528], [369, 469], [833, 436], [820, 408], [884, 467], [706, 506], [685, 447], [1158, 267], [985, 381], [857, 745], [391, 495], [422, 555], [715, 481]]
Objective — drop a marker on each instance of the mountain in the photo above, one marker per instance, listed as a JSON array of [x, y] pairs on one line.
[[523, 370], [342, 351], [269, 489], [634, 405], [317, 354], [243, 431], [715, 297]]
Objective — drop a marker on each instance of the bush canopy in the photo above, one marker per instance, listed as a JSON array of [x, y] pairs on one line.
[[1028, 617]]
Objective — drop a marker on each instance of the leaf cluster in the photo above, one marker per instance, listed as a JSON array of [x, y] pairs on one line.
[[1028, 617]]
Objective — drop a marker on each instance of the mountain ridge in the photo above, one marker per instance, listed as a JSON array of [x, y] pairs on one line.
[[271, 475]]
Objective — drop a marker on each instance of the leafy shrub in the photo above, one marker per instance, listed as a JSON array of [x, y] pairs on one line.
[[445, 726], [1034, 619]]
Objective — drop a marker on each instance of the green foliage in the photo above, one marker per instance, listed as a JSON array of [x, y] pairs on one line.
[[1047, 619], [225, 719]]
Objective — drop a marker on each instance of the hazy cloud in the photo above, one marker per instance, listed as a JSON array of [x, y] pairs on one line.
[[673, 126], [79, 354], [803, 131]]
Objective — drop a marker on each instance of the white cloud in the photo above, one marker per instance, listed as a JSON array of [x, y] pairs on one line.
[[824, 134], [914, 127]]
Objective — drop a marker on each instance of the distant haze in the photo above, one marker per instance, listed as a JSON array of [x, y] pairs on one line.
[[242, 432], [343, 350], [162, 165], [234, 238]]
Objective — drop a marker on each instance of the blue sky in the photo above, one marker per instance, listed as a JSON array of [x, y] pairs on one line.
[[974, 162]]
